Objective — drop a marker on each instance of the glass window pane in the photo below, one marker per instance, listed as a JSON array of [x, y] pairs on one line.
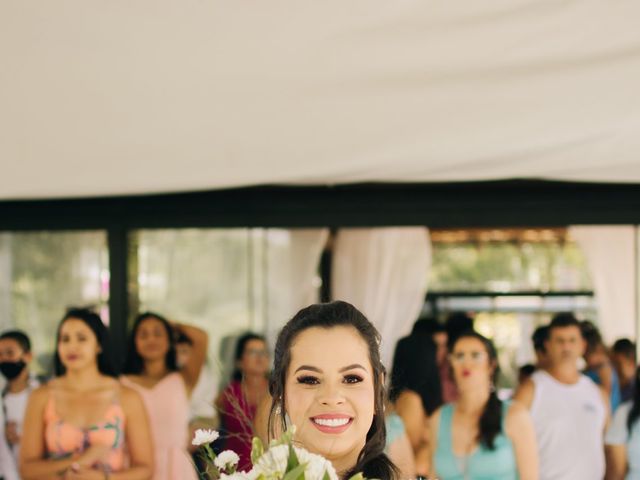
[[44, 273]]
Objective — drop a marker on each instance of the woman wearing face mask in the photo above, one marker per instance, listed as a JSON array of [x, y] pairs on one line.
[[151, 370], [328, 381], [84, 424], [478, 437], [238, 402]]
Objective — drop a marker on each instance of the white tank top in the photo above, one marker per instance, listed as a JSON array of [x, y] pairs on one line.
[[569, 422]]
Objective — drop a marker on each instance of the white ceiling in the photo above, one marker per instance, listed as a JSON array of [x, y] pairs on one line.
[[142, 96]]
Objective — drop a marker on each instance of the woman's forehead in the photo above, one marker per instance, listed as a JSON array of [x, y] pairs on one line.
[[333, 347]]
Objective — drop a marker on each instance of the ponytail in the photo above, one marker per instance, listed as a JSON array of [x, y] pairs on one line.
[[490, 421]]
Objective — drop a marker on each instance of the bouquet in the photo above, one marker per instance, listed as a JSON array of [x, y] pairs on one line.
[[281, 461]]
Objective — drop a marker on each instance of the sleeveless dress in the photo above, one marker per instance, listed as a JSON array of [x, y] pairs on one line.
[[167, 406], [482, 464], [237, 419], [63, 439]]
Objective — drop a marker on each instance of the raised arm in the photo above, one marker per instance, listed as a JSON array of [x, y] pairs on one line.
[[191, 371]]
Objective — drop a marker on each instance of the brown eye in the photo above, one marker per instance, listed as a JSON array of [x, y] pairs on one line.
[[308, 380], [352, 379]]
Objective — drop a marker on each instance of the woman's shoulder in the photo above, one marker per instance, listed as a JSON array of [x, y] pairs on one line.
[[516, 416]]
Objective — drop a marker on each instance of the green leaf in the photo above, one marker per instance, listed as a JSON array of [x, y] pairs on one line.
[[295, 474], [257, 449], [357, 476], [292, 461]]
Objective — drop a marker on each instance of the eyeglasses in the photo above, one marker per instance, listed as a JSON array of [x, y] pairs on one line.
[[474, 357], [256, 353]]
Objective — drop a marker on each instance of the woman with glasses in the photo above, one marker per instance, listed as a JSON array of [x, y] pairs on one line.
[[238, 402], [479, 437]]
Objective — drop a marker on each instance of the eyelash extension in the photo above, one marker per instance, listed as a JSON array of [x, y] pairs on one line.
[[353, 378], [308, 380]]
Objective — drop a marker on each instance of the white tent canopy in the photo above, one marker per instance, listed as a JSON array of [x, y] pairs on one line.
[[147, 96]]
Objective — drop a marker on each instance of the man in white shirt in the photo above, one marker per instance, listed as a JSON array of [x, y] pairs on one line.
[[15, 355], [569, 411]]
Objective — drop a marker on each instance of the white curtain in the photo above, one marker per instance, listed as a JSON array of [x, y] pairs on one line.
[[383, 272], [610, 253], [291, 274]]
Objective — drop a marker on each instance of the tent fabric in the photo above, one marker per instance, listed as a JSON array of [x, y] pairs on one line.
[[150, 96]]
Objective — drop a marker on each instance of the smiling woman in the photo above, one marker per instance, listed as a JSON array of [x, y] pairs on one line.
[[328, 381]]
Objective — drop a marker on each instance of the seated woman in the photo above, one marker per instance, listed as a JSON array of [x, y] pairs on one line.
[[336, 400], [478, 437], [84, 424], [238, 402], [622, 442]]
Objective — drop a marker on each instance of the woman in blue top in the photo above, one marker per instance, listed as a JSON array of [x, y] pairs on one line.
[[479, 437], [623, 439]]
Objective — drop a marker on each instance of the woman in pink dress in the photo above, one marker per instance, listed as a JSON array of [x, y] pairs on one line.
[[150, 369]]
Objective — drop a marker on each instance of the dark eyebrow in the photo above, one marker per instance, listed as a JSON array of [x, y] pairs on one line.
[[308, 367], [351, 367]]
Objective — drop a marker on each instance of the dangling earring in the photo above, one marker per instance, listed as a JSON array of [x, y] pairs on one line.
[[278, 407]]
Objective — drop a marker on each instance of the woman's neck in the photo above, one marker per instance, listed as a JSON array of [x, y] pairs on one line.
[[254, 381], [155, 369], [84, 379], [473, 401]]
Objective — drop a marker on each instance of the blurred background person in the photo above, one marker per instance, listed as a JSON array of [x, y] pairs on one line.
[[538, 339], [15, 357], [415, 387], [599, 366], [623, 439], [238, 402], [623, 356], [569, 411], [151, 369], [84, 424], [478, 436]]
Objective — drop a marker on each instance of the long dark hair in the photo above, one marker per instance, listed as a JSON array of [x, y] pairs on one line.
[[634, 413], [104, 359], [240, 346], [415, 366], [491, 418], [134, 363], [372, 461]]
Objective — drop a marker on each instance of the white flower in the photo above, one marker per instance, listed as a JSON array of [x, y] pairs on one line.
[[273, 464], [204, 436], [234, 476], [226, 458]]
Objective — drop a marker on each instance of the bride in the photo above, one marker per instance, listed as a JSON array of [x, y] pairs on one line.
[[328, 381]]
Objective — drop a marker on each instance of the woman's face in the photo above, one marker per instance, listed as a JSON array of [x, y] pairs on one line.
[[329, 392], [151, 339], [78, 346], [472, 368], [255, 358]]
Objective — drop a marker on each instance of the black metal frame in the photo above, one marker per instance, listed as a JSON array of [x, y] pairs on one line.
[[437, 205]]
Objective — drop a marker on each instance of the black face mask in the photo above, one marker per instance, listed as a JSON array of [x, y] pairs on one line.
[[12, 369]]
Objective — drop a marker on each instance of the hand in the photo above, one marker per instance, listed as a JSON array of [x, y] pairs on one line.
[[84, 474], [92, 455], [11, 432]]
